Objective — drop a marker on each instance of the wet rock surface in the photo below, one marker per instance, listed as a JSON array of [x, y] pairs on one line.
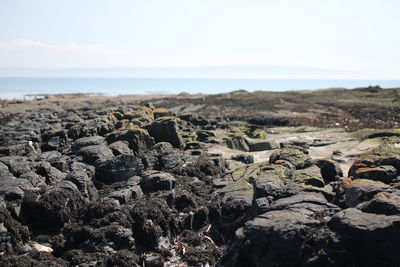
[[131, 185]]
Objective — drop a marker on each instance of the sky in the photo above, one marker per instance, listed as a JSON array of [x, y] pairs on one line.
[[357, 37]]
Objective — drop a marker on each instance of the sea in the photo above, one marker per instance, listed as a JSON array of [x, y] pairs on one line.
[[24, 87]]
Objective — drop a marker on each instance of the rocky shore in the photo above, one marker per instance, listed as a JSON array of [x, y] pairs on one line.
[[200, 180]]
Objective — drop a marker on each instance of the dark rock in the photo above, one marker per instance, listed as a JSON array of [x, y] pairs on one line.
[[16, 165], [87, 141], [79, 166], [84, 184], [261, 145], [155, 181], [120, 148], [13, 188], [166, 129], [330, 170], [260, 205], [382, 203], [370, 235], [51, 174], [138, 139], [96, 155], [130, 190], [245, 158], [164, 157], [361, 190], [270, 181], [49, 156], [309, 176], [384, 173], [119, 169], [53, 144], [295, 155]]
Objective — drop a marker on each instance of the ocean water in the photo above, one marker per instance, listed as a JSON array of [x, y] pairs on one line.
[[19, 87]]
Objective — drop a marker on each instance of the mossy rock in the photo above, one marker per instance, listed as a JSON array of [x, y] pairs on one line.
[[295, 155]]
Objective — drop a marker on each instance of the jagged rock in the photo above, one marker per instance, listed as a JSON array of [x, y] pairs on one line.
[[261, 145], [87, 141], [17, 165], [155, 181], [384, 173], [130, 190], [96, 155], [165, 129], [49, 156], [330, 170], [13, 188], [236, 142], [245, 158], [382, 203], [361, 190], [138, 139], [309, 176], [163, 157], [120, 148], [295, 155], [119, 169], [371, 235], [51, 174], [270, 182], [53, 144], [84, 184]]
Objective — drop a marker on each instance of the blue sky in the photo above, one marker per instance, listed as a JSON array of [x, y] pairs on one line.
[[359, 37]]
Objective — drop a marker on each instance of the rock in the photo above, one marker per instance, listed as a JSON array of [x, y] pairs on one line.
[[162, 112], [119, 169], [313, 202], [96, 155], [269, 238], [295, 155], [87, 141], [270, 182], [50, 156], [138, 139], [3, 169], [392, 161], [51, 174], [34, 178], [79, 166], [261, 145], [155, 181], [166, 129], [309, 176], [384, 173], [84, 184], [13, 188], [53, 144], [330, 170], [41, 248], [125, 192], [164, 157], [120, 148], [239, 190], [361, 190], [260, 205], [245, 158], [382, 203], [367, 234], [16, 165], [236, 142]]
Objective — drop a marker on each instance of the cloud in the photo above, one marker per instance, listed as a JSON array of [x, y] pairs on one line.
[[23, 44]]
